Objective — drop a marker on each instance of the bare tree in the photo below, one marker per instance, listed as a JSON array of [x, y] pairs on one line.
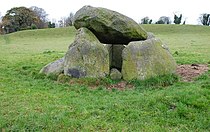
[[41, 13], [69, 19], [62, 22]]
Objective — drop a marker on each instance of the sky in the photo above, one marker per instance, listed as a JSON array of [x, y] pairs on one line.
[[135, 9]]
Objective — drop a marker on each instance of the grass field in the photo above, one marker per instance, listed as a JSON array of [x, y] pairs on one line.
[[29, 102]]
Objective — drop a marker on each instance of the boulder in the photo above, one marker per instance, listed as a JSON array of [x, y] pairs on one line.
[[115, 74], [55, 67], [86, 56], [146, 59], [115, 55], [109, 27], [150, 35]]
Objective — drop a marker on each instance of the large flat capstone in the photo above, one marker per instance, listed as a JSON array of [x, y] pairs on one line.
[[110, 27]]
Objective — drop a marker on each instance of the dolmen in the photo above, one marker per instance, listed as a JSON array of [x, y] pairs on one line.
[[108, 43]]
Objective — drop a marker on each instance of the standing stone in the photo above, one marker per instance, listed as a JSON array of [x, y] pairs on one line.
[[86, 56], [109, 27], [55, 67], [146, 59], [115, 55]]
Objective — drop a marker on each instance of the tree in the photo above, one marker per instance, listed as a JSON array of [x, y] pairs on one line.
[[0, 18], [69, 19], [205, 19], [1, 29], [146, 20], [177, 20], [19, 18], [164, 20], [51, 25], [150, 21], [41, 14], [62, 22]]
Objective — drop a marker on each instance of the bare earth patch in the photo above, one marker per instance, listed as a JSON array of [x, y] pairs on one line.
[[120, 86], [189, 72]]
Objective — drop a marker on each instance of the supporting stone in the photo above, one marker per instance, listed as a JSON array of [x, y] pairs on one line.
[[86, 56], [146, 59], [115, 56]]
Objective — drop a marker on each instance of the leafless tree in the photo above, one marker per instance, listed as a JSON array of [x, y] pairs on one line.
[[69, 19], [41, 13]]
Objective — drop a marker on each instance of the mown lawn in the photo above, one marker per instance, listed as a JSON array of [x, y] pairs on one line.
[[30, 102]]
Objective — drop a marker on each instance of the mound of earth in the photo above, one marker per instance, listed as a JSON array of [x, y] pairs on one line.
[[189, 72]]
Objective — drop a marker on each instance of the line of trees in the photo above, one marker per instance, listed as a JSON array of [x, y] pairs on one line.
[[204, 19], [163, 20], [22, 18], [66, 21]]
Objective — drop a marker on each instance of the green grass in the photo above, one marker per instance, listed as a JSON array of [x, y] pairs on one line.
[[191, 42], [32, 102]]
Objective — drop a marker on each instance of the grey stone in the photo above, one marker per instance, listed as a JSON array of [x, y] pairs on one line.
[[109, 27], [55, 67], [86, 56], [150, 35], [115, 74], [146, 59]]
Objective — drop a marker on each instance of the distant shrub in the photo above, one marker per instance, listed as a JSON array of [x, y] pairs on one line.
[[51, 25], [33, 26]]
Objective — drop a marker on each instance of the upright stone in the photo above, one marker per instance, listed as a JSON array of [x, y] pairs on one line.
[[109, 27], [146, 59], [115, 55], [86, 56]]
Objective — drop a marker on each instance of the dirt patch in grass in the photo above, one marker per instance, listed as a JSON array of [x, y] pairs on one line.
[[189, 72], [120, 86]]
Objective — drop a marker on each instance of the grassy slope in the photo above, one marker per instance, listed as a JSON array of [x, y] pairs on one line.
[[190, 41], [31, 103]]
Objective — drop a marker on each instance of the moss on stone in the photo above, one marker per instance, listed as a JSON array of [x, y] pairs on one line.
[[86, 56], [148, 58], [109, 26], [129, 70]]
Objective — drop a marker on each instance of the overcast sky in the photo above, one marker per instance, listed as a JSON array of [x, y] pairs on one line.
[[136, 9]]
